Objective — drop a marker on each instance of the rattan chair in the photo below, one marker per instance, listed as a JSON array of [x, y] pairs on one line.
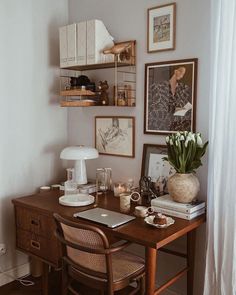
[[88, 258]]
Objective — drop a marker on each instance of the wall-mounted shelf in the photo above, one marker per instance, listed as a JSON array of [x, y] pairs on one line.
[[124, 56], [97, 66], [77, 92], [85, 103], [77, 103], [121, 62]]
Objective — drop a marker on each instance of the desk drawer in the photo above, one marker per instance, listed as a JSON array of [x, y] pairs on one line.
[[35, 222], [46, 249]]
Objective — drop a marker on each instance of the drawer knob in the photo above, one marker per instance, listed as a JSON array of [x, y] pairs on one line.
[[35, 222], [35, 244]]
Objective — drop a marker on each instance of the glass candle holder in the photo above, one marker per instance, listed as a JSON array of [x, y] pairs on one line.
[[130, 185], [103, 179], [119, 188]]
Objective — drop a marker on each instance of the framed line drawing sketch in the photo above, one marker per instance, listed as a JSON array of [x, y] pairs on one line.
[[115, 136], [155, 167], [170, 96], [161, 27]]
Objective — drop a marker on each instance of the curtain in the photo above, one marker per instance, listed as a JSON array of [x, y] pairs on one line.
[[220, 274]]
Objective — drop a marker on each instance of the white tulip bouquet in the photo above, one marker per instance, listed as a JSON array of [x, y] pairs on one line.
[[185, 150]]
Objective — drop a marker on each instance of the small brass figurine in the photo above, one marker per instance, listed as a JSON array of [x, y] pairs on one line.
[[103, 86]]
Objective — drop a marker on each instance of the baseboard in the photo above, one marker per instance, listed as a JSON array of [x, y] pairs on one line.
[[17, 272]]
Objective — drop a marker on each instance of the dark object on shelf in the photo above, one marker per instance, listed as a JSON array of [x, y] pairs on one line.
[[73, 82], [146, 191], [83, 80], [103, 86], [91, 86]]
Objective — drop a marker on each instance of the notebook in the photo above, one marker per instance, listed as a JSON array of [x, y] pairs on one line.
[[107, 217]]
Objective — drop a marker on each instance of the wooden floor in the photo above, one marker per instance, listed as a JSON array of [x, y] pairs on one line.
[[15, 288]]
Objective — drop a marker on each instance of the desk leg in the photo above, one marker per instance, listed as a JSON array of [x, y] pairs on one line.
[[45, 279], [150, 255], [191, 242]]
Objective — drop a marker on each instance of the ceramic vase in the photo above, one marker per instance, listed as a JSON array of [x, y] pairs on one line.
[[183, 188]]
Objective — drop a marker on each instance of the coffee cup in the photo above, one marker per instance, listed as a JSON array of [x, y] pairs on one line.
[[125, 199], [142, 211]]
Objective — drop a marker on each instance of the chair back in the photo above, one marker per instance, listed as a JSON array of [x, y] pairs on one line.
[[85, 247]]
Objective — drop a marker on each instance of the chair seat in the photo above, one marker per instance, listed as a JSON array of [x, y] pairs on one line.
[[125, 265]]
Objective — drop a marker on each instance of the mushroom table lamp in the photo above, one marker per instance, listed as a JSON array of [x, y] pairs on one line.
[[79, 154]]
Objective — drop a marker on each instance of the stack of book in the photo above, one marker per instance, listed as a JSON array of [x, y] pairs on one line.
[[166, 205], [89, 188]]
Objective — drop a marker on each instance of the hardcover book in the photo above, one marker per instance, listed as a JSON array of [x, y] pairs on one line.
[[63, 46], [71, 45], [187, 216], [168, 203], [98, 39], [81, 43]]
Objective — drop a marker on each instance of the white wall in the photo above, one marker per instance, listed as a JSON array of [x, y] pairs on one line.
[[33, 127], [126, 19]]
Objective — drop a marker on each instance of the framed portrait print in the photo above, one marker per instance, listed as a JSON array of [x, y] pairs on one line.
[[156, 168], [161, 28], [170, 96], [115, 136]]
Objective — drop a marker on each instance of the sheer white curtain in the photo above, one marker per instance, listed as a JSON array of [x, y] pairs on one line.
[[220, 277]]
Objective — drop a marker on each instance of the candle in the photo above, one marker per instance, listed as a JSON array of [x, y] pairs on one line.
[[119, 188]]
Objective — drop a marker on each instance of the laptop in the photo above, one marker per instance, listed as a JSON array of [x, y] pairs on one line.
[[107, 217]]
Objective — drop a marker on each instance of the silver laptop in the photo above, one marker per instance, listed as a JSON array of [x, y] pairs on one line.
[[107, 217]]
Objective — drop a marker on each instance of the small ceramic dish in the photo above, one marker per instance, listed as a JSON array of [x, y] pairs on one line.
[[76, 200], [149, 220]]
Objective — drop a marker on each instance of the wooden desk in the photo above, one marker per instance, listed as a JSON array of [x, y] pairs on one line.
[[35, 227]]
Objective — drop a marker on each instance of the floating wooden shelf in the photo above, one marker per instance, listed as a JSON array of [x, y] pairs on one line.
[[120, 63], [124, 58], [77, 103], [84, 103], [77, 92], [97, 66]]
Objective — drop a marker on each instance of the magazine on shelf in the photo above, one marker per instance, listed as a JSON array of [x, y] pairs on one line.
[[168, 203], [182, 215]]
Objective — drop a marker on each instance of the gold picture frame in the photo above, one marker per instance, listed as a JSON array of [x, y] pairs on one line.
[[161, 28], [114, 136]]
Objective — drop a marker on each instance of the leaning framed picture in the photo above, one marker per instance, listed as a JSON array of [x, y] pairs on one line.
[[170, 96], [161, 24], [115, 136], [156, 168]]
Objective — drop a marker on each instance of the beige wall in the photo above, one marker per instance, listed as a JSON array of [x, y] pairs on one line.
[[126, 19], [33, 128]]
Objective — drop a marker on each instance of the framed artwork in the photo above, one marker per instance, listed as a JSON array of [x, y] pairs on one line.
[[161, 28], [156, 168], [115, 136], [170, 96]]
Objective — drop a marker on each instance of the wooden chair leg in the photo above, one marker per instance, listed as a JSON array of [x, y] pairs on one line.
[[142, 285], [45, 279], [64, 280]]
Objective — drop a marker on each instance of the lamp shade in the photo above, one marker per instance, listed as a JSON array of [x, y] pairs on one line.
[[79, 153]]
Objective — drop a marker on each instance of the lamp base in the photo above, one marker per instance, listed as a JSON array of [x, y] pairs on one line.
[[80, 172]]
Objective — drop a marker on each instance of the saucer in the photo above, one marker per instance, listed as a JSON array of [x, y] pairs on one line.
[[149, 220], [76, 200]]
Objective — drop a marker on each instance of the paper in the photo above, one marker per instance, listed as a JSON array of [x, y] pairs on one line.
[[182, 111]]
